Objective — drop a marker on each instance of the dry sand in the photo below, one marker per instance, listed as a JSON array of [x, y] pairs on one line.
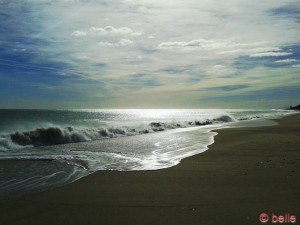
[[245, 172]]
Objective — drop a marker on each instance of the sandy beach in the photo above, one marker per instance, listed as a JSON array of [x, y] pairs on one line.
[[246, 171]]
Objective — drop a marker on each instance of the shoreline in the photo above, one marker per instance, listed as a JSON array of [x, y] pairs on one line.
[[245, 171]]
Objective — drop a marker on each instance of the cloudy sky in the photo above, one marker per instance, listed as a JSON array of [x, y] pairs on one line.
[[149, 53]]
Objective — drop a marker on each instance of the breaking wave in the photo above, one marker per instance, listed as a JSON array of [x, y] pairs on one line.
[[57, 135]]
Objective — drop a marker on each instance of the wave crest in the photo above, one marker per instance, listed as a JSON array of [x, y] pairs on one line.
[[56, 135], [47, 136]]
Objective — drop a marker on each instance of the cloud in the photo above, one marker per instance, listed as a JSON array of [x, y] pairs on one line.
[[111, 30], [135, 34], [194, 44], [286, 61], [120, 43], [271, 54], [220, 69], [288, 11], [107, 30], [79, 33], [212, 44], [265, 49], [234, 51], [230, 88]]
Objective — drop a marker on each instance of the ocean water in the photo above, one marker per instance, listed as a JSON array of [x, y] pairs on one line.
[[42, 149]]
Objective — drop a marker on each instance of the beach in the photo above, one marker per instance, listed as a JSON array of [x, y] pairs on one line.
[[246, 171]]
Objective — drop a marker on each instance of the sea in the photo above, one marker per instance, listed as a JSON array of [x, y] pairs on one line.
[[44, 149]]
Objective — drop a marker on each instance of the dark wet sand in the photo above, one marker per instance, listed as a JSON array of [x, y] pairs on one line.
[[245, 172]]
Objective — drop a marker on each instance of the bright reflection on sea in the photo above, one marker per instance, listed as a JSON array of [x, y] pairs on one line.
[[153, 114]]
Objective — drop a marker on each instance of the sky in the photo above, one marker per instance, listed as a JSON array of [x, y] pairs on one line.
[[149, 53]]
